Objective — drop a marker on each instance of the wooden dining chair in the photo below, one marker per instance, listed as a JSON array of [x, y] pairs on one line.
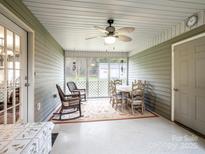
[[141, 83], [68, 102], [117, 97], [117, 82], [136, 99], [111, 83]]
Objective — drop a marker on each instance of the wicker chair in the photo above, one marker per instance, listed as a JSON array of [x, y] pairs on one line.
[[68, 102], [74, 90], [136, 99]]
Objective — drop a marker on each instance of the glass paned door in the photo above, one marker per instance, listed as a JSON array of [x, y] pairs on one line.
[[75, 70], [94, 74], [118, 69], [13, 70], [97, 77]]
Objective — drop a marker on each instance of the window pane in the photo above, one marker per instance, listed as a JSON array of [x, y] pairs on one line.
[[1, 117], [1, 74], [10, 96], [9, 40], [98, 77], [10, 80], [1, 98], [93, 77], [17, 91], [10, 116], [1, 47], [17, 112], [1, 37], [17, 61], [17, 44], [118, 69], [10, 59], [17, 78], [1, 89]]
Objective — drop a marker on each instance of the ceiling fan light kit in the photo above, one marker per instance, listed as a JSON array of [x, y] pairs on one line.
[[110, 39]]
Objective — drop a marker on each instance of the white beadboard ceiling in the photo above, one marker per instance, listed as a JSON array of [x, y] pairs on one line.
[[71, 21]]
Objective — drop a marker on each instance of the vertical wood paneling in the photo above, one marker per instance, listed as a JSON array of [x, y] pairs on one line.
[[49, 60], [154, 65], [174, 31]]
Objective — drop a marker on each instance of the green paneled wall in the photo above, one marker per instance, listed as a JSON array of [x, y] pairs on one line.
[[154, 65], [49, 60]]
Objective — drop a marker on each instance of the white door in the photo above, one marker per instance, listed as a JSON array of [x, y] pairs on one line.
[[189, 84], [13, 72]]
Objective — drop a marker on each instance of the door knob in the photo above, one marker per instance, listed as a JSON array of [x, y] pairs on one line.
[[175, 89]]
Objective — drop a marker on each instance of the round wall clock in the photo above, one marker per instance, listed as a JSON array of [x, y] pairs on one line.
[[191, 21]]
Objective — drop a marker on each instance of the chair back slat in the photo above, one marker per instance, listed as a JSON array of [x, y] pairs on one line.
[[61, 93], [113, 88]]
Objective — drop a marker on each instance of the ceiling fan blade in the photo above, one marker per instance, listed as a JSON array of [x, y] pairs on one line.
[[125, 30], [101, 29], [89, 38], [93, 37], [124, 38]]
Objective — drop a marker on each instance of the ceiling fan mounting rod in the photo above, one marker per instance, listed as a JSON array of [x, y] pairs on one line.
[[110, 21]]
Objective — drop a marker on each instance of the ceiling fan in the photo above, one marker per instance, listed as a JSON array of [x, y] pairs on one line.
[[111, 34]]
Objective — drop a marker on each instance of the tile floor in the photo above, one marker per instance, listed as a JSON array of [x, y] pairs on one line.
[[149, 135]]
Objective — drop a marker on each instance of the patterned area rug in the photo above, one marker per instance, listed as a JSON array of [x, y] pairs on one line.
[[102, 110]]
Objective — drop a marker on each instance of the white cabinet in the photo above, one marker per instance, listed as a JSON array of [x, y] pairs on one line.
[[32, 138]]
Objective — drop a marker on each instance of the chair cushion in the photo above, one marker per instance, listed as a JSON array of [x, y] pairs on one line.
[[82, 92], [70, 103]]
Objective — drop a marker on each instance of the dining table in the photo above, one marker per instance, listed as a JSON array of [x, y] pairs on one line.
[[124, 88]]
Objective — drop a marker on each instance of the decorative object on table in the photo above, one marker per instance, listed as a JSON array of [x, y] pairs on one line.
[[111, 34], [69, 103], [74, 90], [136, 99], [30, 138]]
